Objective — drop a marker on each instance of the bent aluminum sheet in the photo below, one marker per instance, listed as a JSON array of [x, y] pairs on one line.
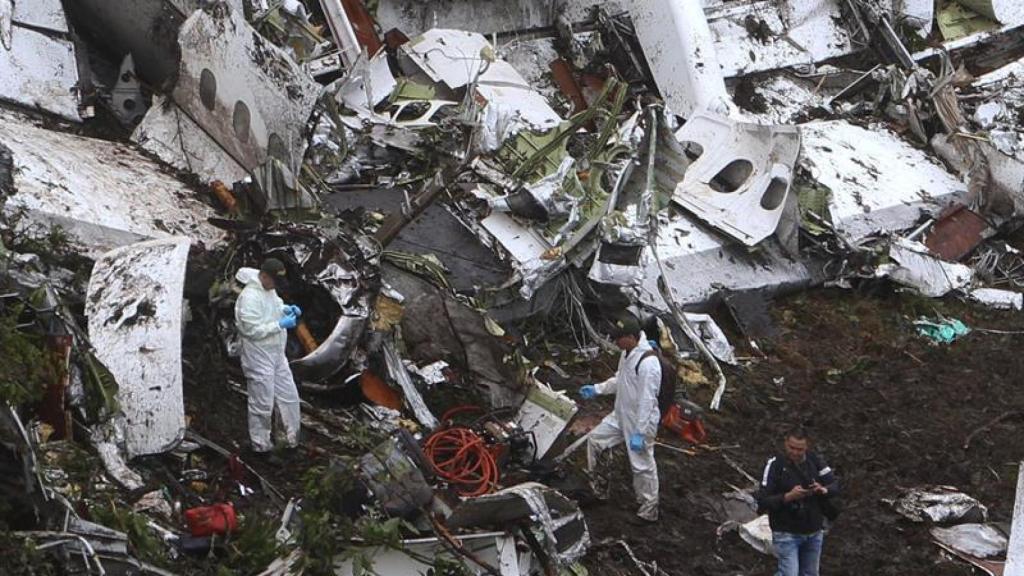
[[878, 181], [134, 305], [103, 194], [741, 179], [700, 263], [175, 138], [246, 93], [917, 268], [679, 49], [496, 549], [45, 14], [794, 32], [458, 58], [39, 71]]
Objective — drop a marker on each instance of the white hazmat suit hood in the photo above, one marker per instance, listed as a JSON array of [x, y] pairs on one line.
[[257, 316]]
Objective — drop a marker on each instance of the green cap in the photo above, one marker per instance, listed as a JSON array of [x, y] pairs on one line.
[[625, 325], [273, 268]]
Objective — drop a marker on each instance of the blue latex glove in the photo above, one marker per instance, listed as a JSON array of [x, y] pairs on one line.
[[587, 392], [287, 322], [636, 442], [654, 344], [292, 310]]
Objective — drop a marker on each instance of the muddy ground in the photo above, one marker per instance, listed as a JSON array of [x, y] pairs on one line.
[[886, 408]]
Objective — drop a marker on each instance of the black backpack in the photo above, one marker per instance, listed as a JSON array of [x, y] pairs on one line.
[[667, 391]]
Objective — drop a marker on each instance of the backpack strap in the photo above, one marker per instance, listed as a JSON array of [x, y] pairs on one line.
[[646, 355]]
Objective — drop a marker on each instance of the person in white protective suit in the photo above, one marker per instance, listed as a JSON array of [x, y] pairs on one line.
[[636, 416], [263, 320]]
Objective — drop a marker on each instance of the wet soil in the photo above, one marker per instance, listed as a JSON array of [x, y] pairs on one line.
[[887, 409]]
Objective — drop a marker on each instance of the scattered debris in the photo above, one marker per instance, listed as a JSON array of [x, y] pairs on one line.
[[463, 194], [938, 504], [942, 330]]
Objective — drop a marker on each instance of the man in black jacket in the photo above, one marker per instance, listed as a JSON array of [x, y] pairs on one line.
[[796, 489]]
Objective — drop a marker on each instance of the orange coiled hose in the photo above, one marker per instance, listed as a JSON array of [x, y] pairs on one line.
[[460, 457]]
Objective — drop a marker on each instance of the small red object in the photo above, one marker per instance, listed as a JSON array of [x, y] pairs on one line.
[[690, 430], [209, 520]]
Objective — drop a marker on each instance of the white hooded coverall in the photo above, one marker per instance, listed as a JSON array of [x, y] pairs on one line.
[[636, 410], [257, 313]]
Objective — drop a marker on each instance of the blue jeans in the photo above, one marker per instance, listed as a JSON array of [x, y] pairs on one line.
[[798, 554]]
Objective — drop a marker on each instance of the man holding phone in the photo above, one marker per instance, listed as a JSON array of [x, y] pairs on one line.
[[798, 492]]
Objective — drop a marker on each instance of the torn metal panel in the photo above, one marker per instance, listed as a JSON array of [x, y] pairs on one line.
[[741, 177], [45, 14], [40, 71], [134, 305], [701, 263], [1006, 12], [496, 549], [565, 532], [758, 533], [917, 268], [919, 14], [368, 83], [104, 194], [998, 299], [343, 265], [342, 31], [938, 504], [457, 58], [545, 414], [169, 133], [1015, 548], [777, 34], [713, 337], [146, 29], [639, 190], [106, 439], [126, 96], [956, 233], [978, 540], [248, 94], [392, 475], [479, 15], [878, 181], [412, 396], [679, 49], [1006, 172]]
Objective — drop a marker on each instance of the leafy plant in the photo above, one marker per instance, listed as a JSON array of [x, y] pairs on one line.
[[143, 542], [20, 557], [28, 367]]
